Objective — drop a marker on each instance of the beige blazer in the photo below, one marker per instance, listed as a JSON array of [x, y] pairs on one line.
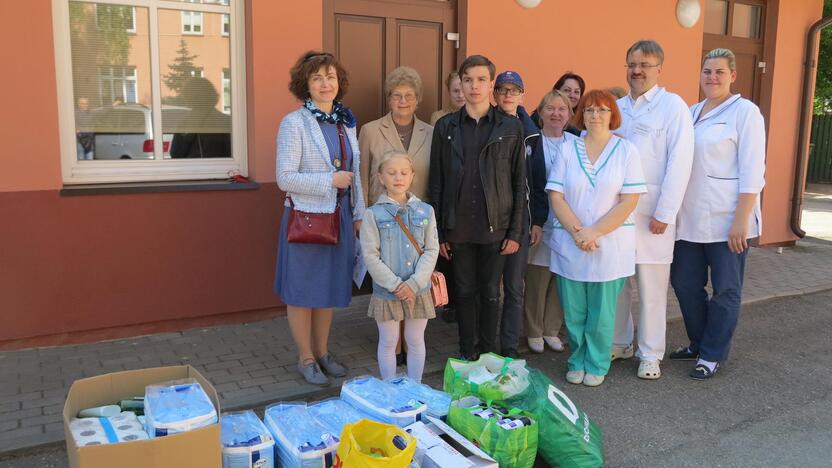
[[379, 137]]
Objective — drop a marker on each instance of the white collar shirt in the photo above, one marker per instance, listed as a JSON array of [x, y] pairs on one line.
[[658, 123], [591, 191], [729, 159]]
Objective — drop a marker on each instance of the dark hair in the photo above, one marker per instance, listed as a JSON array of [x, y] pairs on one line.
[[570, 76], [308, 64], [597, 97], [647, 47], [477, 61]]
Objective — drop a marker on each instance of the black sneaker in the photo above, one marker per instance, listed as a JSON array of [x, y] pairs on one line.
[[683, 354], [701, 372]]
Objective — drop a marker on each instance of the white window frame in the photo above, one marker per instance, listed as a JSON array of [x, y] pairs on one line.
[[124, 78], [225, 22], [188, 20], [76, 172], [226, 82]]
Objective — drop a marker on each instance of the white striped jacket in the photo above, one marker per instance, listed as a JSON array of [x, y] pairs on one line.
[[304, 168]]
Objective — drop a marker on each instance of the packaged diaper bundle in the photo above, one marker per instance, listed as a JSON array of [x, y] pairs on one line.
[[300, 439], [178, 406], [335, 413], [246, 442], [437, 401], [383, 401], [122, 427]]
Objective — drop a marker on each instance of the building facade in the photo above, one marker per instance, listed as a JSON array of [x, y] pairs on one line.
[[110, 228]]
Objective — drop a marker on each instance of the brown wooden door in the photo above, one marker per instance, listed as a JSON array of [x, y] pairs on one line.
[[738, 25], [373, 37]]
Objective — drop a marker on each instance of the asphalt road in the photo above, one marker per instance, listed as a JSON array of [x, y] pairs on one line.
[[769, 405]]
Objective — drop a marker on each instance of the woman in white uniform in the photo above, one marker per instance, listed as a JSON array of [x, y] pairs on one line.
[[593, 189], [719, 215], [543, 313]]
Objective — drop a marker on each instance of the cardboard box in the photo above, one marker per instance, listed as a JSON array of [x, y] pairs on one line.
[[439, 446], [199, 448]]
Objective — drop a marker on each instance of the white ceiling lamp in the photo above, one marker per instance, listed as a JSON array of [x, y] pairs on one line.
[[687, 12], [528, 3]]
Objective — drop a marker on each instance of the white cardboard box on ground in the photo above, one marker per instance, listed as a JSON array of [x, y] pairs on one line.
[[439, 446]]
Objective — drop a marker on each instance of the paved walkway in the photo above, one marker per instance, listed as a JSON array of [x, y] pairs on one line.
[[254, 364]]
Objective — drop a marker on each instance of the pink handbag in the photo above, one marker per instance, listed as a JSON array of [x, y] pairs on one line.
[[438, 286]]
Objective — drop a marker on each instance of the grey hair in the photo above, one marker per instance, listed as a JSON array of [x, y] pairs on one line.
[[403, 76], [648, 47], [723, 53]]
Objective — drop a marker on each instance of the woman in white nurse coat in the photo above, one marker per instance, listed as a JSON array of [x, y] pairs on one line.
[[719, 215], [593, 189]]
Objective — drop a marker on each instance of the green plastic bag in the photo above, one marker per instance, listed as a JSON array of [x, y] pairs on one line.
[[491, 377], [516, 448], [567, 436]]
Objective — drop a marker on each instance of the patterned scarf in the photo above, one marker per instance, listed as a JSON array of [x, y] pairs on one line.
[[340, 114]]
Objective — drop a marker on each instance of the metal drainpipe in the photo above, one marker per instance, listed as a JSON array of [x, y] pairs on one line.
[[806, 107]]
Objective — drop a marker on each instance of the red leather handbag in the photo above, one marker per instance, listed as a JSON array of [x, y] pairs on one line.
[[316, 228], [313, 228], [438, 286]]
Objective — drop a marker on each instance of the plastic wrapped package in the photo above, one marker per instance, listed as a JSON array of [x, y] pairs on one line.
[[301, 441], [178, 406], [122, 427], [492, 377], [436, 400], [383, 401], [335, 413], [246, 442], [371, 444]]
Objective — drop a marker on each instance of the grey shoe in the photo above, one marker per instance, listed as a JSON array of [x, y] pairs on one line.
[[331, 366], [312, 373]]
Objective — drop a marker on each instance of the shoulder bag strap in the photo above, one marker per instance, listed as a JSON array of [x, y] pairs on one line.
[[409, 235]]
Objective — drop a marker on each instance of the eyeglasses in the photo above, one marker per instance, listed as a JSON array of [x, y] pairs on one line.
[[642, 65], [403, 97], [509, 91], [596, 110]]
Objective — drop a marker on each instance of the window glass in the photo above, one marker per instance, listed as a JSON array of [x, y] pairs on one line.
[[111, 81], [746, 21], [195, 112], [716, 17]]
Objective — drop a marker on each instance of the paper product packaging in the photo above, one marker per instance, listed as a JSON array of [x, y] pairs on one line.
[[196, 448], [122, 427], [439, 446], [246, 443]]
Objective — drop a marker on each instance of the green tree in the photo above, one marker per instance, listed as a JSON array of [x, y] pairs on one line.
[[823, 84], [180, 71]]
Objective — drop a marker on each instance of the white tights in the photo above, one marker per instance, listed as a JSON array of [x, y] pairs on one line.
[[388, 336]]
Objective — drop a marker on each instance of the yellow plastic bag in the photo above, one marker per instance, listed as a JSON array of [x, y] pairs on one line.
[[373, 444]]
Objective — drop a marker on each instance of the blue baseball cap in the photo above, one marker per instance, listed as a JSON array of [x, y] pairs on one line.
[[509, 77]]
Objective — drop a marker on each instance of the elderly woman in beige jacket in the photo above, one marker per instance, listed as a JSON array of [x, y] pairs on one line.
[[400, 130]]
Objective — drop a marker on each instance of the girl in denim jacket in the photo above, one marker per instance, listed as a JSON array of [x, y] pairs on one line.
[[401, 278]]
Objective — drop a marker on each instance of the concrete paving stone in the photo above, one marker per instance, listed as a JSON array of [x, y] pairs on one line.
[[54, 409], [22, 414], [220, 378], [225, 387], [44, 402], [243, 392], [164, 337], [264, 373], [54, 428], [40, 420], [9, 406], [21, 397], [253, 382], [248, 367], [241, 356], [8, 424], [279, 387], [222, 365]]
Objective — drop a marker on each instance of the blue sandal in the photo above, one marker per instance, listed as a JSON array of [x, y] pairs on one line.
[[702, 372]]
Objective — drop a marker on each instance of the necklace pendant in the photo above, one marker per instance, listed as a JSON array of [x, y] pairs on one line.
[[337, 163]]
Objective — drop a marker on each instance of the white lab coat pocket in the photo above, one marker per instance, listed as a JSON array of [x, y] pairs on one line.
[[723, 193]]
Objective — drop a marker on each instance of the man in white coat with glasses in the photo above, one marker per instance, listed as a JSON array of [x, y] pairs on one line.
[[658, 123]]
